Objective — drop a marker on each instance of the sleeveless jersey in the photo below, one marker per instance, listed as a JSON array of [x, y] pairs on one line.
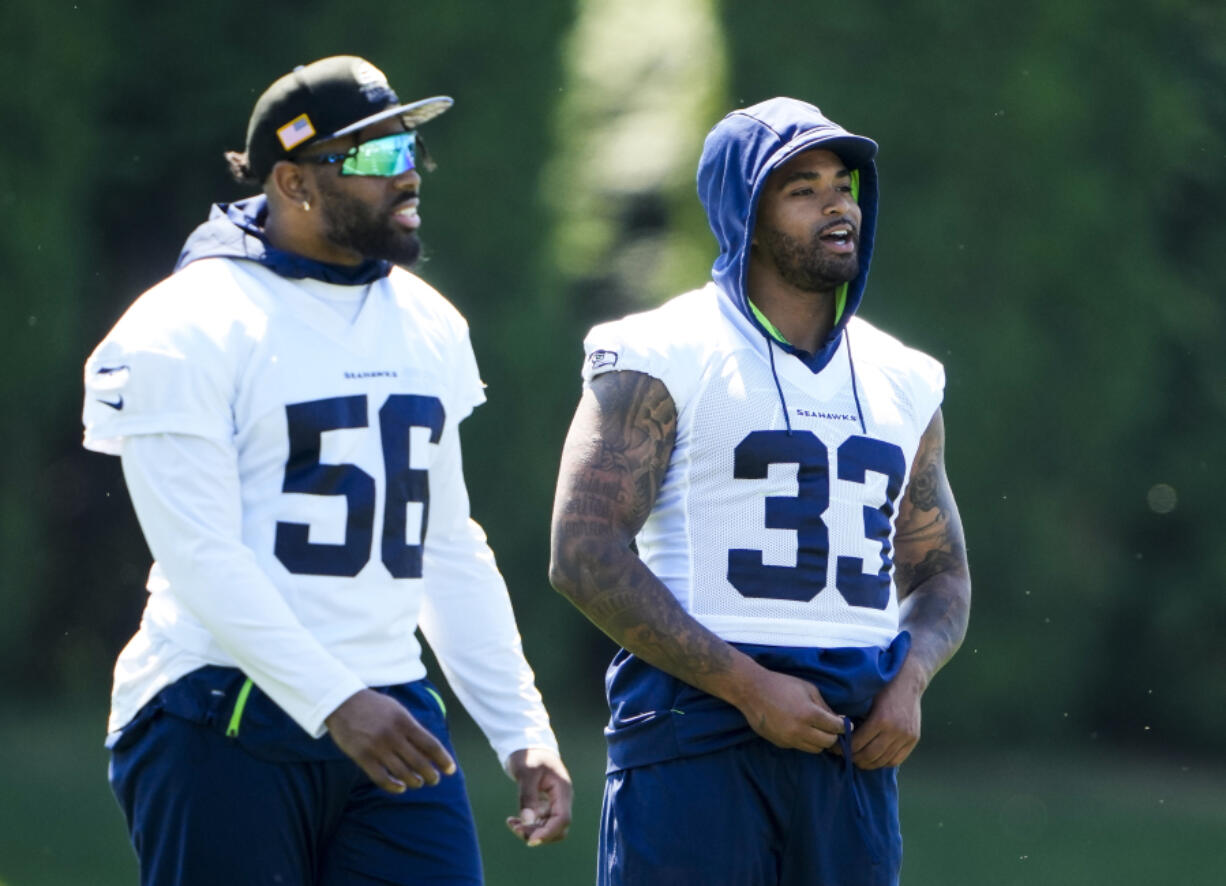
[[775, 530]]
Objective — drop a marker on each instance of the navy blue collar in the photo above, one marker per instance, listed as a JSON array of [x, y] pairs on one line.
[[236, 230]]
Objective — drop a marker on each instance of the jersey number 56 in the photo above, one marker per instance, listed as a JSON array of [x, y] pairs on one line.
[[304, 473]]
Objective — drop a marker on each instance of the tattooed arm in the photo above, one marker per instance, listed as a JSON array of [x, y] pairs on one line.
[[934, 590], [614, 460]]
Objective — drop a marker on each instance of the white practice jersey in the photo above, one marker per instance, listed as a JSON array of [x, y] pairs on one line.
[[764, 534], [335, 519]]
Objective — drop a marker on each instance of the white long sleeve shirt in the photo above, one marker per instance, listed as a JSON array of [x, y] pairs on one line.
[[298, 478]]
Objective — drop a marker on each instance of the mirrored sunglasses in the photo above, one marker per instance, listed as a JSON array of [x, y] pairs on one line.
[[385, 156]]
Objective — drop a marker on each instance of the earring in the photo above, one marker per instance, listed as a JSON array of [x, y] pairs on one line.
[[306, 205]]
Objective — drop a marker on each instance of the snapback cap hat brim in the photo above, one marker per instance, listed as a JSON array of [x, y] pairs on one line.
[[856, 149], [413, 114]]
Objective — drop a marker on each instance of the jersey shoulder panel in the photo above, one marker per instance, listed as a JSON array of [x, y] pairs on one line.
[[674, 342], [206, 304], [418, 298], [918, 377], [172, 361], [432, 314]]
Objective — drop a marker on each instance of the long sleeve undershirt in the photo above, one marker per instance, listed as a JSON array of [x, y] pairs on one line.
[[185, 490]]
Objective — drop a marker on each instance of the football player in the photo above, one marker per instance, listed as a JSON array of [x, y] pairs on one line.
[[286, 406], [753, 503]]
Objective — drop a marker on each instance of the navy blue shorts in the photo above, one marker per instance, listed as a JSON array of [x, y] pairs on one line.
[[266, 804], [751, 814]]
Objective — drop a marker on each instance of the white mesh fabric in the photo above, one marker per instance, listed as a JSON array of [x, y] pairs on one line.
[[727, 513], [716, 367]]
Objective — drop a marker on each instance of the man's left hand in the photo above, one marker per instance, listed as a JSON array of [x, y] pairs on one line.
[[545, 795], [892, 729]]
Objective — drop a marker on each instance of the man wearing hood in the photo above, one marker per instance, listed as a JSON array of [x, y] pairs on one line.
[[753, 503], [286, 406]]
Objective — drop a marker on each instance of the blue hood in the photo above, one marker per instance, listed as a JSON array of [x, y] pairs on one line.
[[739, 154], [236, 230]]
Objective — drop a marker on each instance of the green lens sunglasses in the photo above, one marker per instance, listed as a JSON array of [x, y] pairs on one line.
[[385, 156]]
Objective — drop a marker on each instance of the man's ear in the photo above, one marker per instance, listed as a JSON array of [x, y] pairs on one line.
[[291, 183]]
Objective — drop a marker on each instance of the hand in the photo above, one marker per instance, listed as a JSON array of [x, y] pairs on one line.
[[389, 745], [892, 730], [789, 712], [545, 794]]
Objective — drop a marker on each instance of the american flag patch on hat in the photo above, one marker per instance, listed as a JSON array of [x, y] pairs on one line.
[[295, 132]]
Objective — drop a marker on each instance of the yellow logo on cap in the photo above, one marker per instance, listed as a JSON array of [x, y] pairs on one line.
[[295, 132]]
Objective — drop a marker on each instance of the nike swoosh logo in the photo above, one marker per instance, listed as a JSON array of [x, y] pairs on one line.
[[114, 404]]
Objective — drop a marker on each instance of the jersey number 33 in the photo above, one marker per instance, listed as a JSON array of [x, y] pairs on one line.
[[803, 514]]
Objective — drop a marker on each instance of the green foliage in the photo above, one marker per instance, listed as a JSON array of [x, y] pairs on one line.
[[1052, 175], [1050, 179], [42, 180], [644, 81], [126, 110]]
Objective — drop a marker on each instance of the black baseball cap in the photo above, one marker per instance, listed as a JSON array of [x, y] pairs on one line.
[[331, 97]]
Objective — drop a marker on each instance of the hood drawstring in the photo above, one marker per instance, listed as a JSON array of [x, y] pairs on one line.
[[770, 350], [855, 387], [855, 390]]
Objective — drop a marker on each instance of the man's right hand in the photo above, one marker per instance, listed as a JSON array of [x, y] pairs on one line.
[[389, 745], [789, 712]]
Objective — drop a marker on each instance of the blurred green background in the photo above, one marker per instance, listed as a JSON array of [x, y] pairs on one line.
[[1052, 181]]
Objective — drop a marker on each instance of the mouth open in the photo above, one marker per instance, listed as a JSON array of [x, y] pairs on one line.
[[839, 238], [406, 216]]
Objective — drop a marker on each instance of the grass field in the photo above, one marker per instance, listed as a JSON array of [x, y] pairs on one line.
[[1003, 819]]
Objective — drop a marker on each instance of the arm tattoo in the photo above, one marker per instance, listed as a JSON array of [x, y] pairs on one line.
[[922, 490], [929, 537], [614, 461], [657, 629], [935, 562], [931, 571], [637, 429]]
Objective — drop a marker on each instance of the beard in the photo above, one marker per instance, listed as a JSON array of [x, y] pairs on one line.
[[808, 265], [352, 224]]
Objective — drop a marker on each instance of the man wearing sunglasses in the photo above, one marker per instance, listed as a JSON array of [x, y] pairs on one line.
[[286, 407]]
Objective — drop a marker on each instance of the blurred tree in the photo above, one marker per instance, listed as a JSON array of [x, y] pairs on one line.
[[125, 109], [646, 80], [1049, 177], [643, 82], [49, 255]]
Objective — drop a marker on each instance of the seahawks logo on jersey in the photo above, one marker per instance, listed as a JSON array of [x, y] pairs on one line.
[[602, 359]]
